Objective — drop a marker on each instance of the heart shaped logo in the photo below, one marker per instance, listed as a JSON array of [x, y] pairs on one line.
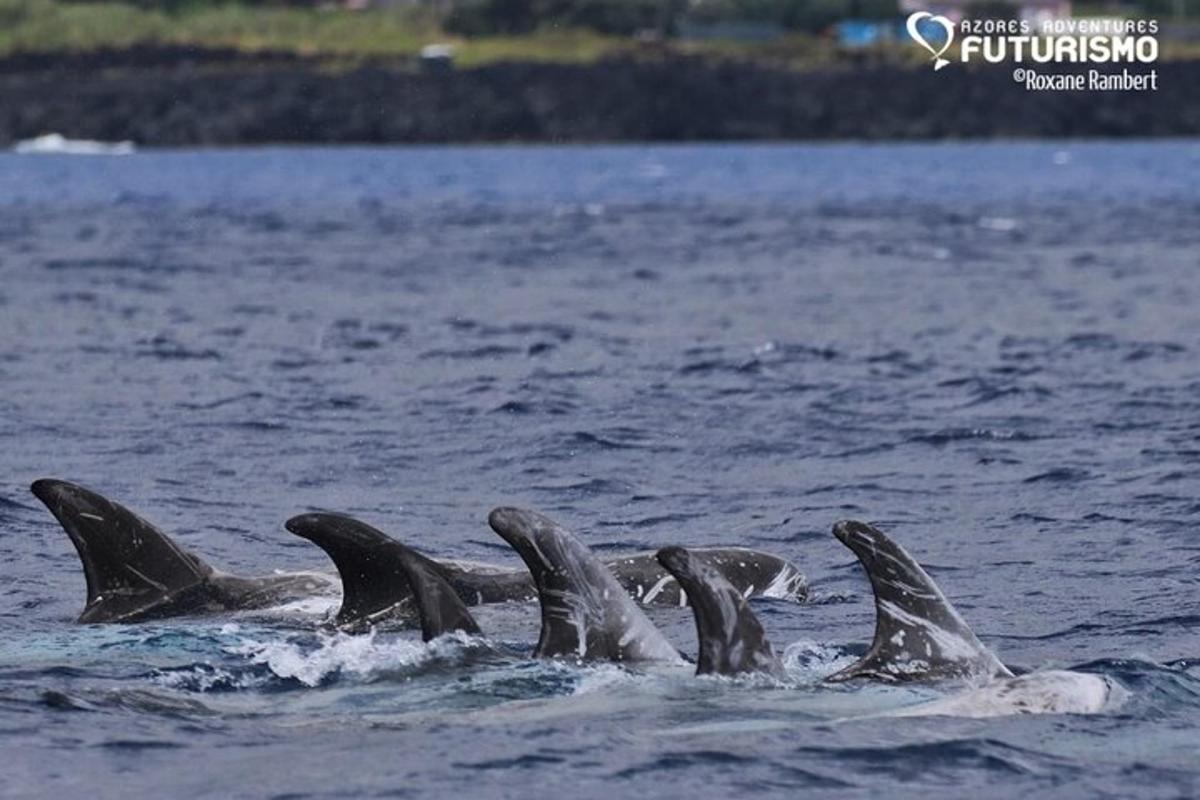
[[915, 19]]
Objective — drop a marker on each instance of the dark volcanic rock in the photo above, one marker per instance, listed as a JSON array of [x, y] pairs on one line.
[[183, 96]]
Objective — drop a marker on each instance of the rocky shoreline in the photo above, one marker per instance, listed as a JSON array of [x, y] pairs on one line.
[[185, 97]]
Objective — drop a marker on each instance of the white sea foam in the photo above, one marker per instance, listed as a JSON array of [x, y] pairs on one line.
[[204, 678], [56, 143], [345, 654], [807, 661], [602, 677]]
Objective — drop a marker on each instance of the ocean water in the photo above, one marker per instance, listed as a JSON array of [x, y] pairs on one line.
[[989, 350]]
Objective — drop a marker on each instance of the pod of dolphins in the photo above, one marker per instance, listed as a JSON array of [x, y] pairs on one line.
[[591, 608]]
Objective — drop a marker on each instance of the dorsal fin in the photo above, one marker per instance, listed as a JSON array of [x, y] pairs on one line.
[[732, 640], [132, 568], [585, 611], [918, 634], [378, 574]]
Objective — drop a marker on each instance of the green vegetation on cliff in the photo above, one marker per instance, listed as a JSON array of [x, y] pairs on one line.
[[52, 26], [483, 31]]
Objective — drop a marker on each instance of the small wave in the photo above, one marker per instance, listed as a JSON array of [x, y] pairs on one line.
[[167, 349], [1157, 689], [1061, 475], [1140, 352], [470, 353], [256, 425], [948, 759], [542, 405], [998, 224], [1185, 622], [345, 402], [592, 486], [988, 394], [224, 401], [527, 761], [7, 503], [1127, 350], [141, 744], [663, 519], [142, 701], [1024, 516], [300, 361], [206, 678], [353, 334], [57, 144], [97, 263], [715, 365], [620, 439], [686, 760], [1083, 628], [948, 435]]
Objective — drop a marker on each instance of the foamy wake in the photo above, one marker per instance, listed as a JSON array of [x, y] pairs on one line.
[[341, 654], [602, 678], [808, 661]]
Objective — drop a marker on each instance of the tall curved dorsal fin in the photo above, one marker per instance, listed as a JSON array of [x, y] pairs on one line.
[[585, 611], [918, 634], [378, 574], [132, 568], [732, 640]]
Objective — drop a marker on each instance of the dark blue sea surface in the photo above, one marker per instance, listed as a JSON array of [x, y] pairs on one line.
[[990, 350]]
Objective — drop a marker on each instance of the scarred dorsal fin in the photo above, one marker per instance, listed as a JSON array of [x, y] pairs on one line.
[[378, 574], [918, 634], [132, 568], [585, 611], [732, 640]]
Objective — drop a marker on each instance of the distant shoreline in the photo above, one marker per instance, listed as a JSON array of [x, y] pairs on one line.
[[186, 97]]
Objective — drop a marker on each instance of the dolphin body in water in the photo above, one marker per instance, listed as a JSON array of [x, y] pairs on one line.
[[732, 640], [919, 637], [381, 573], [586, 613], [136, 572]]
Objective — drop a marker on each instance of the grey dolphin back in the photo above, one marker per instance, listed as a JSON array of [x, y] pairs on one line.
[[731, 638], [379, 574], [133, 570], [918, 634], [586, 613], [752, 572]]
